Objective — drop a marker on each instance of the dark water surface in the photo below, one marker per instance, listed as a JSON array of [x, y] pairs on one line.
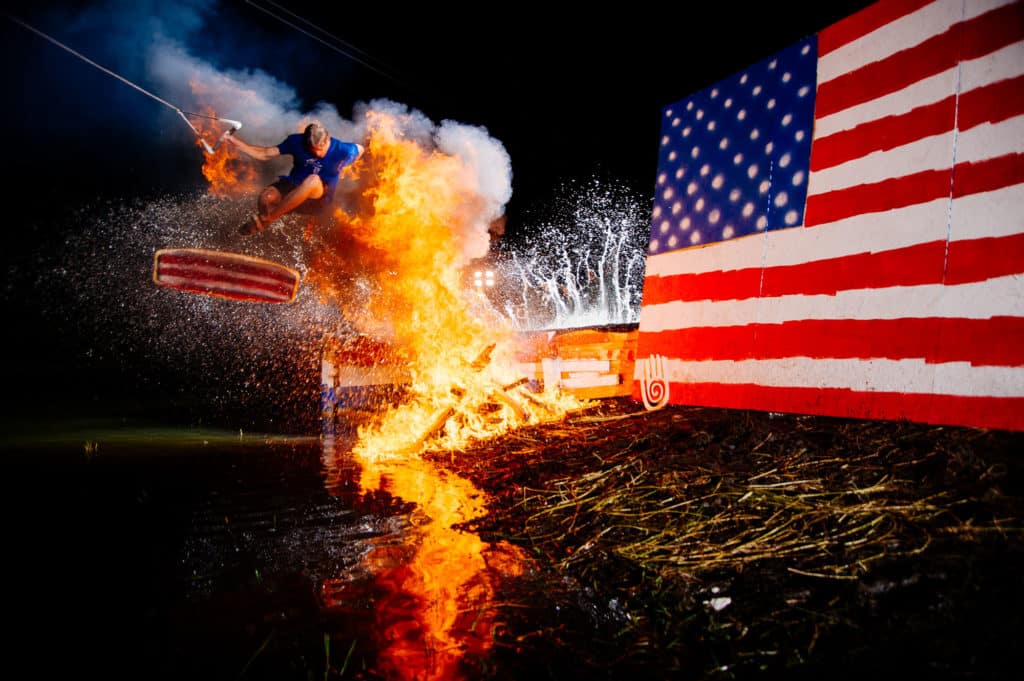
[[145, 551], [137, 551]]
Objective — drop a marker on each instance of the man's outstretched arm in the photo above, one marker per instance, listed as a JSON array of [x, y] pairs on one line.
[[258, 153]]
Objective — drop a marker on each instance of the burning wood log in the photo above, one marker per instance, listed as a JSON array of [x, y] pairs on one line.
[[436, 424], [523, 390], [515, 384], [483, 359], [502, 397], [498, 395]]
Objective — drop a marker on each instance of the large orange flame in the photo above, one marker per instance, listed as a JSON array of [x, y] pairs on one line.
[[439, 609], [415, 210], [434, 606], [228, 173]]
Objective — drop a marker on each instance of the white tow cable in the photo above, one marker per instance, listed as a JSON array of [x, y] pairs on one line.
[[234, 125]]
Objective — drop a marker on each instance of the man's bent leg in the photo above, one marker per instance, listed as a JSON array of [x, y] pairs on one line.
[[310, 188], [269, 199]]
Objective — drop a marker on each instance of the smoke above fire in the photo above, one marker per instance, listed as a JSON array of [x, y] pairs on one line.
[[190, 54], [206, 57], [482, 179], [410, 215]]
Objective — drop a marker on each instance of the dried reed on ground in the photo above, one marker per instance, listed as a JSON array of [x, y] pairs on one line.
[[674, 531]]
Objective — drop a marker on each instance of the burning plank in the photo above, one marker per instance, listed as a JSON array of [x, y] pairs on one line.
[[589, 363], [476, 404]]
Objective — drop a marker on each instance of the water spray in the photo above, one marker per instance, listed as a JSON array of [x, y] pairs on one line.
[[584, 268]]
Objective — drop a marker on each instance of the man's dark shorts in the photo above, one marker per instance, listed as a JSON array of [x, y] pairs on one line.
[[309, 206]]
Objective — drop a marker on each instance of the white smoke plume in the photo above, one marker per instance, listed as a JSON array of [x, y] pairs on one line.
[[488, 175], [270, 110]]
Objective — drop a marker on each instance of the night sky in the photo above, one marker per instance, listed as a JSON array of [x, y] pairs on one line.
[[570, 98]]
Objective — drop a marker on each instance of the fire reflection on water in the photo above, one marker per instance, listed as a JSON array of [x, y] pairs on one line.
[[434, 589], [422, 211]]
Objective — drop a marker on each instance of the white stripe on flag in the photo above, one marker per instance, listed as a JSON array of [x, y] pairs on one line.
[[988, 214], [995, 297], [870, 375]]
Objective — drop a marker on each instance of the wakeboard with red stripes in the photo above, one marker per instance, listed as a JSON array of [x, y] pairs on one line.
[[225, 275]]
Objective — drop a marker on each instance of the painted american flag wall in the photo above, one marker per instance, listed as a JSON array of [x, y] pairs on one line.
[[839, 228]]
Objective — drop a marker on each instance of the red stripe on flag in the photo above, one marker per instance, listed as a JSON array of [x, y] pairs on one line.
[[888, 75], [983, 176], [896, 192], [991, 103], [966, 261], [998, 341], [909, 266], [968, 40], [732, 285], [980, 259], [865, 21], [993, 30], [963, 261], [981, 412], [883, 134]]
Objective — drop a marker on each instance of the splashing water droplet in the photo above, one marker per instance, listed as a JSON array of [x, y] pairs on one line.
[[581, 265], [95, 292], [247, 364]]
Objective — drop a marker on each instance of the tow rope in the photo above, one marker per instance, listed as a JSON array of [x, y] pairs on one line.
[[234, 125]]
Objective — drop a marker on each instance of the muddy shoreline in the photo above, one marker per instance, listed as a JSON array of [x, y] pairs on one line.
[[925, 584]]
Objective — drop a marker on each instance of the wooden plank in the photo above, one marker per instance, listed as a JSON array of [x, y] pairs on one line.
[[600, 392], [570, 366], [590, 380], [591, 363]]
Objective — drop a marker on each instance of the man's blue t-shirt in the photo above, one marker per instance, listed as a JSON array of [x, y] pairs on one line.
[[339, 154]]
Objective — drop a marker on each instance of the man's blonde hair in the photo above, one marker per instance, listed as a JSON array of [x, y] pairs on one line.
[[315, 135]]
